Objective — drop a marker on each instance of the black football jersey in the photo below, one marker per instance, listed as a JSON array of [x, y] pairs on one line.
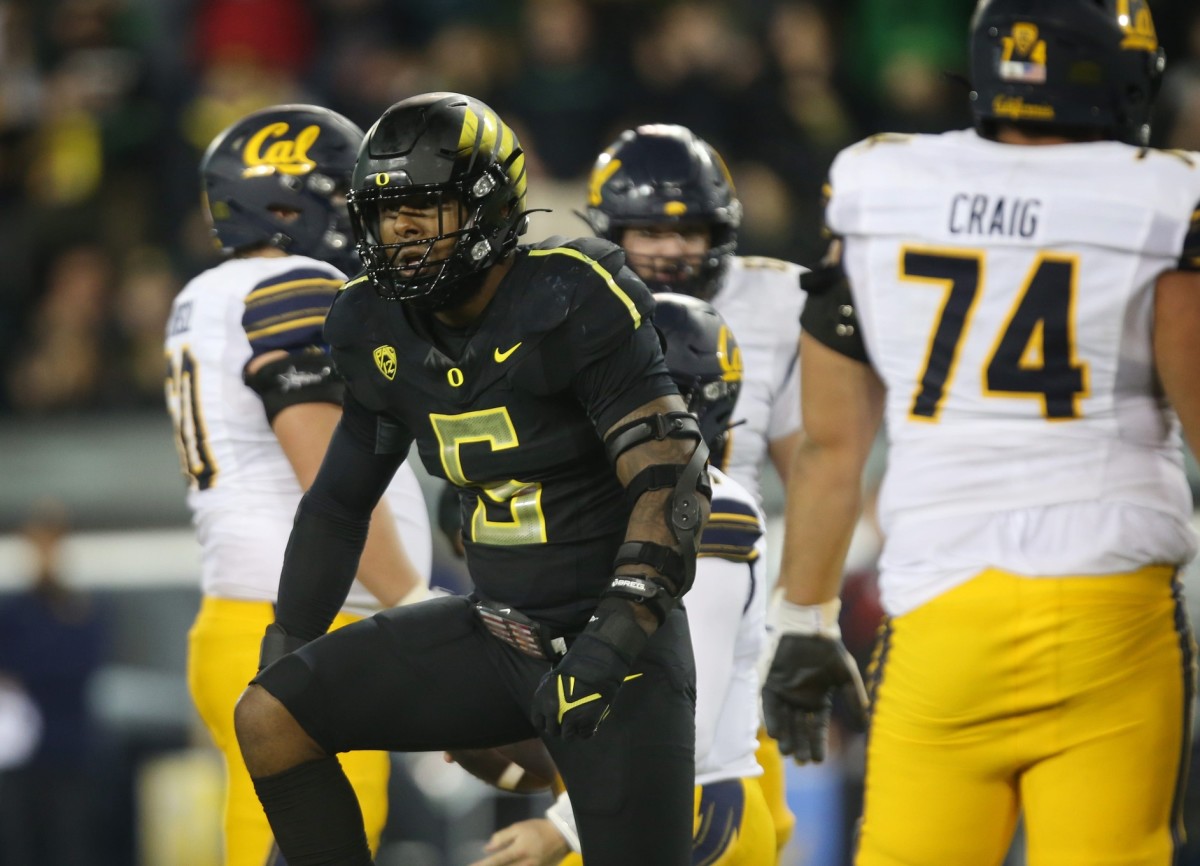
[[563, 351]]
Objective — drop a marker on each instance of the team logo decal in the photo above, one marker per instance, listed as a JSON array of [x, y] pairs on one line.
[[501, 357], [606, 167], [1135, 20], [731, 362], [385, 360], [1018, 109], [267, 151], [1023, 55]]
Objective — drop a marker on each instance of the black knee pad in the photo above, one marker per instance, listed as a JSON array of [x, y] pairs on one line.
[[291, 682]]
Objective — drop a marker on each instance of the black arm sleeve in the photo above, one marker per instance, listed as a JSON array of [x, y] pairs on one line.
[[331, 525], [301, 377], [828, 315], [632, 374]]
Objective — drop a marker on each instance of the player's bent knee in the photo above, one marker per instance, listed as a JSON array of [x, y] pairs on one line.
[[270, 738]]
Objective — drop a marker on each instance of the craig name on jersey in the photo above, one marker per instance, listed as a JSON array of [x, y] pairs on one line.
[[988, 215], [987, 304]]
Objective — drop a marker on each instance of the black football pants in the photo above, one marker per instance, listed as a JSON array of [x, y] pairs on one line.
[[429, 677]]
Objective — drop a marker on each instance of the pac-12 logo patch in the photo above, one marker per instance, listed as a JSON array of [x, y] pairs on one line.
[[385, 360]]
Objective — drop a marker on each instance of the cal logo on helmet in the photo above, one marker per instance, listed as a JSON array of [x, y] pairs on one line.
[[729, 355], [1134, 18], [268, 151], [1023, 55], [605, 168], [385, 360]]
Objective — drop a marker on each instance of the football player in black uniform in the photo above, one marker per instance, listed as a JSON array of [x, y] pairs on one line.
[[533, 380]]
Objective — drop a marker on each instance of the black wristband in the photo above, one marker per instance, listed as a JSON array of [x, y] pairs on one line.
[[643, 590]]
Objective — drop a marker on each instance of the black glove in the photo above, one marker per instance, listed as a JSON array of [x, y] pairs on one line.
[[575, 696], [276, 643], [798, 693]]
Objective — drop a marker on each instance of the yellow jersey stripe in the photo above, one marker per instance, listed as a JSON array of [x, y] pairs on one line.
[[289, 285], [605, 275], [353, 282], [728, 517], [733, 554], [286, 326]]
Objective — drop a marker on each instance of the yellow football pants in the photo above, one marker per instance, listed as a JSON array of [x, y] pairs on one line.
[[222, 658], [1067, 698], [774, 787], [732, 827]]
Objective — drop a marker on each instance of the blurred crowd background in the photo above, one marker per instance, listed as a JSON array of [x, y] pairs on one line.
[[106, 106], [105, 109]]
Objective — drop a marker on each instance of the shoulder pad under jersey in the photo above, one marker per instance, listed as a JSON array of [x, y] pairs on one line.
[[584, 286]]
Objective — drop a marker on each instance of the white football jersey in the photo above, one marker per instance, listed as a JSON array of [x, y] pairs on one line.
[[726, 609], [243, 492], [760, 299], [1005, 296]]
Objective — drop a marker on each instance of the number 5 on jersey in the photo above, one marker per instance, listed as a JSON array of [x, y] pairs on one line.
[[525, 523], [1034, 353]]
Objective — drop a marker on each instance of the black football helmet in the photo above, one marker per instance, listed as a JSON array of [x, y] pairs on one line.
[[703, 360], [433, 151], [1086, 65], [665, 175], [296, 158]]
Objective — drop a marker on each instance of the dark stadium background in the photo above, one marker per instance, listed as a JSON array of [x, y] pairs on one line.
[[105, 108]]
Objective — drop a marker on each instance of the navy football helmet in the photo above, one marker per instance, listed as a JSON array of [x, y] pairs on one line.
[[664, 175], [1075, 65], [294, 159], [703, 360], [433, 151]]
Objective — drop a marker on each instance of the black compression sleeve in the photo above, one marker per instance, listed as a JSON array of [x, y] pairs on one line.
[[300, 377], [331, 528], [630, 376]]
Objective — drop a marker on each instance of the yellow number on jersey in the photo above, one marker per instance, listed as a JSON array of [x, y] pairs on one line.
[[525, 523], [191, 437]]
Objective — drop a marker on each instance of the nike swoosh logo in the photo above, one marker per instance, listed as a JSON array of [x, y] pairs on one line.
[[501, 357], [565, 706]]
